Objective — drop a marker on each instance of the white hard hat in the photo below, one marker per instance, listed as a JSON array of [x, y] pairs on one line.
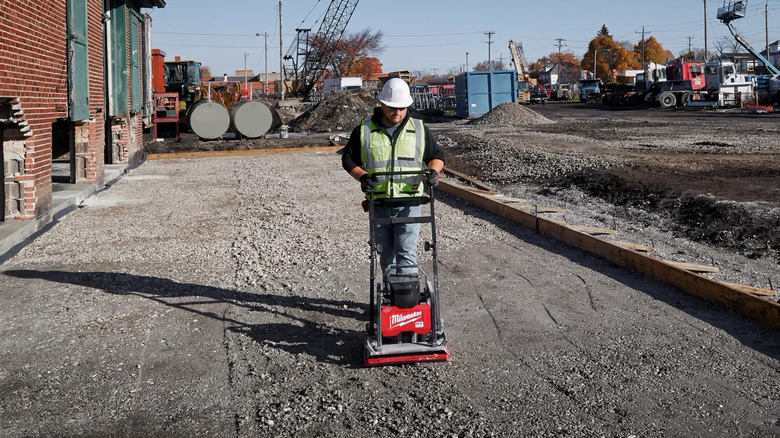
[[396, 94]]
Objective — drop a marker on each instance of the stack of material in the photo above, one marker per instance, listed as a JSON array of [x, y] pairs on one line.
[[509, 113], [340, 111]]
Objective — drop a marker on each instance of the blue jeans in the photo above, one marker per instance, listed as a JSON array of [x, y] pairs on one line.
[[398, 241]]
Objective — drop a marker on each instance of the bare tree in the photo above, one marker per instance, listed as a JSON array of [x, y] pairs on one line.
[[726, 44], [490, 65]]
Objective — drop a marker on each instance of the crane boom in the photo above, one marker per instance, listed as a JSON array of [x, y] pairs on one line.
[[321, 47], [517, 58]]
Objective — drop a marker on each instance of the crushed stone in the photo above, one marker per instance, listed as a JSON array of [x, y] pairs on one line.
[[509, 113], [340, 111]]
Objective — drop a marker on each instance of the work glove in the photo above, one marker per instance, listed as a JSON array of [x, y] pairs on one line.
[[432, 177], [367, 182]]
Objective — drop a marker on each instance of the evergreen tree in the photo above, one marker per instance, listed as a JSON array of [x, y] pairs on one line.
[[604, 31]]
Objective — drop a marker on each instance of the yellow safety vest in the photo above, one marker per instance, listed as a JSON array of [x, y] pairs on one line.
[[379, 154]]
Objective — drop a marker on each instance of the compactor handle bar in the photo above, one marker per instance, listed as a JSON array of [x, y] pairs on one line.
[[403, 172]]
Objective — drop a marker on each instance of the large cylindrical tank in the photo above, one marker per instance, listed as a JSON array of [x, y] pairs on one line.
[[251, 118], [208, 119]]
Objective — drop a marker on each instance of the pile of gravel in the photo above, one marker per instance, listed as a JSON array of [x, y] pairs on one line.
[[338, 112], [517, 156], [509, 113]]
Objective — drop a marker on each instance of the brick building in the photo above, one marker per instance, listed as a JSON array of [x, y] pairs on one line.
[[73, 94]]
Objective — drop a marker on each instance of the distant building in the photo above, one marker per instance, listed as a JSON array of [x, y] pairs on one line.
[[255, 83], [549, 74]]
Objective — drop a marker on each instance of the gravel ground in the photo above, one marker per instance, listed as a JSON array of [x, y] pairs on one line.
[[227, 297]]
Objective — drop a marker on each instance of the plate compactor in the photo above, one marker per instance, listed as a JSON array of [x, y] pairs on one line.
[[405, 324]]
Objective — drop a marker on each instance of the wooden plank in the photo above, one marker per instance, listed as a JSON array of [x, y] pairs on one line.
[[694, 267], [752, 289], [511, 200], [540, 208], [592, 230], [631, 245], [479, 184], [749, 305]]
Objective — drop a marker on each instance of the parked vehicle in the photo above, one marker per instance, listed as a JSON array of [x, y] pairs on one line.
[[590, 90], [560, 92], [689, 83], [539, 94]]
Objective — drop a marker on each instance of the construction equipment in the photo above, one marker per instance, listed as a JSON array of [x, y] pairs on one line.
[[590, 90], [314, 52], [183, 77], [524, 81], [767, 86], [405, 324], [687, 83]]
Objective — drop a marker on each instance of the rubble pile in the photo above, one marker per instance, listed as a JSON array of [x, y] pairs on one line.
[[509, 113], [340, 111]]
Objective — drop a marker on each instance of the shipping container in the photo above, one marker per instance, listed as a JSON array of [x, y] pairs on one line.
[[478, 92]]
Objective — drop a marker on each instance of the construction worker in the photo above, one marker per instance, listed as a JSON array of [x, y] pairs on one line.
[[392, 141]]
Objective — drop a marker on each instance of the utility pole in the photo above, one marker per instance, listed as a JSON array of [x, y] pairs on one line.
[[643, 46], [265, 34], [281, 53], [766, 24], [560, 44], [489, 35], [467, 61], [246, 81], [690, 42], [706, 50]]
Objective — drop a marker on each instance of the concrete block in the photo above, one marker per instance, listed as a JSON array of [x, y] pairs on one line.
[[12, 190]]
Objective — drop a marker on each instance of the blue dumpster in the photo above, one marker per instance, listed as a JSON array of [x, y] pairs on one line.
[[478, 92]]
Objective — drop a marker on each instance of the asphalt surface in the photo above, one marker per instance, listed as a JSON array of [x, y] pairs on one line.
[[227, 297]]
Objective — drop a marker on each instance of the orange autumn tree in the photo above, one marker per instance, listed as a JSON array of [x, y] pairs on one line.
[[653, 51], [353, 54], [365, 68], [609, 56]]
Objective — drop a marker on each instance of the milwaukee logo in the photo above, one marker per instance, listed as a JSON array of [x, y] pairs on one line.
[[400, 320]]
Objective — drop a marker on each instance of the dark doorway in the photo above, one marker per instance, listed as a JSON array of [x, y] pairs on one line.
[[62, 148]]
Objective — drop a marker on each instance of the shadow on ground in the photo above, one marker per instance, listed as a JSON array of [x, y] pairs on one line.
[[299, 336]]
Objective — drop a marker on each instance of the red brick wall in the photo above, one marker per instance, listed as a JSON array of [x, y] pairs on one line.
[[33, 68], [95, 154]]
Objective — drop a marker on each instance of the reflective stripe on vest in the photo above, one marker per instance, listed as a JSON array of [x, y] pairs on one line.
[[379, 154]]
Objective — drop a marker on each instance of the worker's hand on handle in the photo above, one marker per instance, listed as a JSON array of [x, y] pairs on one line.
[[432, 177], [367, 182]]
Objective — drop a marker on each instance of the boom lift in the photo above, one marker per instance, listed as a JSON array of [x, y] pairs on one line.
[[767, 86]]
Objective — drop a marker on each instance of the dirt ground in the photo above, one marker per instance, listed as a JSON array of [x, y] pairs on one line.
[[714, 175]]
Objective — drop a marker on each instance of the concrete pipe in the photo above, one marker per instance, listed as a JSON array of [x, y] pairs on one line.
[[208, 119], [250, 118]]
